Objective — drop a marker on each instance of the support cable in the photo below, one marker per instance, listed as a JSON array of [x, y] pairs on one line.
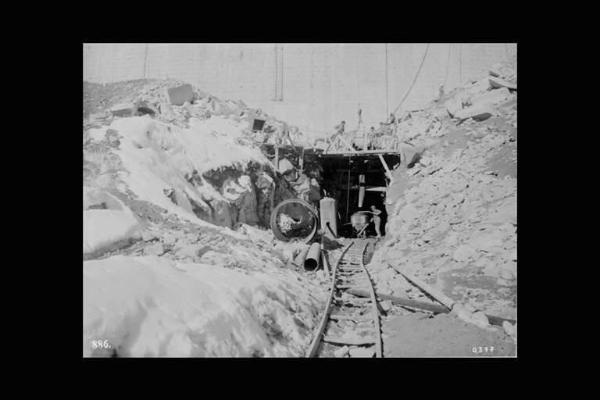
[[415, 78], [447, 65]]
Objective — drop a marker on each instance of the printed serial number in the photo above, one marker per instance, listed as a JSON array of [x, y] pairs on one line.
[[101, 344], [480, 349]]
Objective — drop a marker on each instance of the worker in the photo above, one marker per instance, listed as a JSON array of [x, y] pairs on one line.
[[339, 131], [371, 138], [394, 123], [285, 135], [376, 220]]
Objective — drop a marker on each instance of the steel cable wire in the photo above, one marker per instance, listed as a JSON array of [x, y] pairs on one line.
[[415, 78]]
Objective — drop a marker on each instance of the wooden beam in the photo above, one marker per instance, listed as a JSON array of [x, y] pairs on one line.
[[422, 305], [436, 294], [360, 153], [349, 341], [387, 170]]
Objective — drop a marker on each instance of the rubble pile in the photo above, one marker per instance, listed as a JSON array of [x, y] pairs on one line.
[[174, 185], [218, 172], [176, 102], [477, 101], [452, 215]]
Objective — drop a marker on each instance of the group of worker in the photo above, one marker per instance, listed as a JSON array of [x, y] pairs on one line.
[[389, 126]]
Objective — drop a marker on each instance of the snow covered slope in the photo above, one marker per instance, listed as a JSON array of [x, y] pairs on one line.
[[151, 306]]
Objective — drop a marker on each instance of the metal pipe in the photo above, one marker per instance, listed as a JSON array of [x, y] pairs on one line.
[[301, 257], [312, 259]]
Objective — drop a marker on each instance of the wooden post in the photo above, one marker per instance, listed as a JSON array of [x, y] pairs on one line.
[[277, 154], [387, 170], [324, 262], [361, 190]]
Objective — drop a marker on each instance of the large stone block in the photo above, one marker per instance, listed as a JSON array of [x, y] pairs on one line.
[[180, 94], [478, 113], [491, 97], [123, 110], [499, 83]]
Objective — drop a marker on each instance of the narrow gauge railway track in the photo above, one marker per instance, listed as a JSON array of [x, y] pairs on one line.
[[349, 322]]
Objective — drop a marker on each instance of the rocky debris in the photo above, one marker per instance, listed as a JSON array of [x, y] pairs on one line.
[[177, 102], [478, 113], [504, 71], [452, 213], [492, 97], [510, 329], [156, 249], [341, 352], [386, 305], [247, 190], [479, 99], [467, 314]]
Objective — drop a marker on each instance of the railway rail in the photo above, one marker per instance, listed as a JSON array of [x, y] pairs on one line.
[[350, 324]]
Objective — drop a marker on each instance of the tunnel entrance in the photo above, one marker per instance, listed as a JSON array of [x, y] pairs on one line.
[[357, 182]]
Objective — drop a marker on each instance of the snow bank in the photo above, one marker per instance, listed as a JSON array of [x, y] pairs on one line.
[[157, 158], [150, 306], [102, 228]]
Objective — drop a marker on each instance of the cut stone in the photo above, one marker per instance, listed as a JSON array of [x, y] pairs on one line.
[[499, 83], [478, 113], [180, 94], [123, 110]]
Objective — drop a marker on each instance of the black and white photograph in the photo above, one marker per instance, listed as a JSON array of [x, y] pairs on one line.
[[299, 200]]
